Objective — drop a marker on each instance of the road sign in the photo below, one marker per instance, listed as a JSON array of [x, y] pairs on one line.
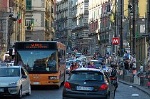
[[115, 40]]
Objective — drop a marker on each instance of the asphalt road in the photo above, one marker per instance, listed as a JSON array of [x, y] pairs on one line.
[[123, 92]]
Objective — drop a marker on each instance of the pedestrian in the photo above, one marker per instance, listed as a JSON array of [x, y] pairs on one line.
[[73, 66], [148, 74], [91, 65]]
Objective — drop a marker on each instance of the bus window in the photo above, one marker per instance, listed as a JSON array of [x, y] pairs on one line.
[[38, 60]]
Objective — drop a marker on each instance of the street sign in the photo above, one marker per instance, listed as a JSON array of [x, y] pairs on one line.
[[115, 40]]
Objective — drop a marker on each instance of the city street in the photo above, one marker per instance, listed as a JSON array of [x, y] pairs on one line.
[[123, 92]]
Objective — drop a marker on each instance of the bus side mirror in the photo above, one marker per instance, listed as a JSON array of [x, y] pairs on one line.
[[10, 52]]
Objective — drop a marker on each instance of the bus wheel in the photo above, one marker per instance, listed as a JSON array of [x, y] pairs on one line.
[[58, 86]]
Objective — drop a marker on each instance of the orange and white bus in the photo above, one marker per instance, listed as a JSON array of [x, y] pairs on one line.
[[44, 61]]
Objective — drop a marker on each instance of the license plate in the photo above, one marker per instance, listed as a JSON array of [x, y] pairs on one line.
[[36, 83], [1, 90], [84, 88]]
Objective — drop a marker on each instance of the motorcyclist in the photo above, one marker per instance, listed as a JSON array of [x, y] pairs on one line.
[[114, 66], [113, 74]]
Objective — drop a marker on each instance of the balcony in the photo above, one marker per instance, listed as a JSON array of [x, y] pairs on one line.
[[79, 27], [28, 28]]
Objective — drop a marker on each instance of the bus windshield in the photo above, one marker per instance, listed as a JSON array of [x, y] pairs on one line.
[[38, 60]]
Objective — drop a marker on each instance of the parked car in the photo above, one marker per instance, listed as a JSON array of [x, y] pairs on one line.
[[87, 83], [14, 81]]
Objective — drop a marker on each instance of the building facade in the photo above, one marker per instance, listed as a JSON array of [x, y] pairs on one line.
[[4, 13], [63, 23], [39, 21], [72, 24], [18, 7], [80, 25]]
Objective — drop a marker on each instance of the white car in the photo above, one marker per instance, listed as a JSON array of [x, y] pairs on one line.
[[14, 81]]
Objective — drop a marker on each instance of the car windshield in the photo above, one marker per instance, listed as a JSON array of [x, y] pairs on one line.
[[86, 75], [9, 72]]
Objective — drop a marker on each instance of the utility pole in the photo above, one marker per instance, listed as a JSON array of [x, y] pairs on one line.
[[148, 17], [133, 30], [121, 28], [116, 24], [148, 26]]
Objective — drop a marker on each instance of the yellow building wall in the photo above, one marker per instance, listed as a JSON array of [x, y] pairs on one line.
[[126, 2], [142, 8], [19, 28]]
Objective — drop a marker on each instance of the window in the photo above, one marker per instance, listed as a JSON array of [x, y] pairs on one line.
[[29, 23], [87, 75], [28, 4]]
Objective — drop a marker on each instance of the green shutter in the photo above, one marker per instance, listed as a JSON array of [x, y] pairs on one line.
[[28, 4]]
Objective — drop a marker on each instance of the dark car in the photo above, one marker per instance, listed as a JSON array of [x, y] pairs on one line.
[[87, 83]]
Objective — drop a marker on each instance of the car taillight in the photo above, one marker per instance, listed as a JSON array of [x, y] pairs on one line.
[[103, 87], [67, 85]]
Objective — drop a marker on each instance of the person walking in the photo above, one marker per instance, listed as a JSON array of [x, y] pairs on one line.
[[148, 74], [73, 66], [91, 65]]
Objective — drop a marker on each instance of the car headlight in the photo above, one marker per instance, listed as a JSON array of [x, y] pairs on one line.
[[13, 88], [13, 84]]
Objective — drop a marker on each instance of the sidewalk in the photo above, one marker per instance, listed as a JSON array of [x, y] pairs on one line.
[[145, 89]]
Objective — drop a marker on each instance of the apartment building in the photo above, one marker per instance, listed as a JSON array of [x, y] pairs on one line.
[[3, 26], [94, 24], [80, 25], [39, 21], [141, 26], [18, 9], [72, 24], [9, 18], [63, 22]]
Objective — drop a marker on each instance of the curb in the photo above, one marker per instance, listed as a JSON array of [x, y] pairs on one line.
[[136, 86]]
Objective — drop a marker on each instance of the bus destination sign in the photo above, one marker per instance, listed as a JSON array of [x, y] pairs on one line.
[[36, 45]]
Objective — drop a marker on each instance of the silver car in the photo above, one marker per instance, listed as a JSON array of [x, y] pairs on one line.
[[14, 81]]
